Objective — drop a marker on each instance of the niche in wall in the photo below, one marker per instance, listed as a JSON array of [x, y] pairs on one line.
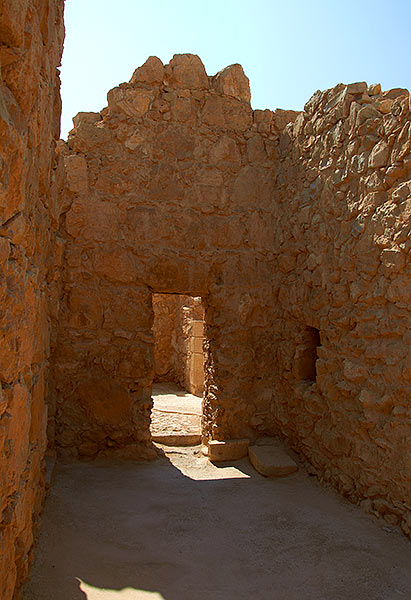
[[306, 354]]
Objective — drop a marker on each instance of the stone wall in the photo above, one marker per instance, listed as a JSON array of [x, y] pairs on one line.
[[169, 341], [294, 230], [294, 235], [342, 283], [31, 37], [178, 353], [168, 190]]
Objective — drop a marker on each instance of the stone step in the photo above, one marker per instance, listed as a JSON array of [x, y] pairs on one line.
[[271, 460], [227, 450], [177, 439]]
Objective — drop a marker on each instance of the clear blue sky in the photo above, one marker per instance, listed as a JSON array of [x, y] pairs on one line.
[[288, 48]]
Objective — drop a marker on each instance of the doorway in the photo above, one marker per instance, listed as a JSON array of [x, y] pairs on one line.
[[178, 382]]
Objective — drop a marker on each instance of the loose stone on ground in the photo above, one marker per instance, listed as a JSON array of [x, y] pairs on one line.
[[269, 458]]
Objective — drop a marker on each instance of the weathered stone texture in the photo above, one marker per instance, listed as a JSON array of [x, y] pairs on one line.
[[167, 332], [294, 229], [31, 35], [342, 251], [162, 197], [178, 351]]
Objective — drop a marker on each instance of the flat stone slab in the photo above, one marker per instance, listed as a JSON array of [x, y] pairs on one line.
[[175, 417], [227, 450], [175, 429], [271, 461], [178, 439]]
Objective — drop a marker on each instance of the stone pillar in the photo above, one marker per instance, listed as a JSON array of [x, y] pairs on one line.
[[196, 358]]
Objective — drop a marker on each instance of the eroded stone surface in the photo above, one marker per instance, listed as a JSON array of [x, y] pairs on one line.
[[175, 417], [178, 341], [227, 450], [270, 459], [292, 227], [296, 237], [30, 49]]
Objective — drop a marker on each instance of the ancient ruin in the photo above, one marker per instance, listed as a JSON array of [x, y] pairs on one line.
[[292, 227]]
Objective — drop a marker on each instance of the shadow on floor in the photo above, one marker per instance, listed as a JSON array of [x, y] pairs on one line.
[[183, 529]]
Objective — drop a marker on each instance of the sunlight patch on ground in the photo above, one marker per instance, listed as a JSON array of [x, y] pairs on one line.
[[211, 473], [94, 593]]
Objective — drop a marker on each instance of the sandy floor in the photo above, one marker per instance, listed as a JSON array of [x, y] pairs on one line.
[[181, 528], [176, 416]]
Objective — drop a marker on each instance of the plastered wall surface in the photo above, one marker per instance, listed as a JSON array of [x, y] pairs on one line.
[[31, 35]]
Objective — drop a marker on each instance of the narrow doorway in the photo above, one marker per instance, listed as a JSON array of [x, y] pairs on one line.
[[178, 383]]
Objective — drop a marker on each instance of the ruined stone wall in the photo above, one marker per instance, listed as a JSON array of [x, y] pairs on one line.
[[169, 344], [168, 190], [342, 282], [178, 354], [31, 37], [297, 238]]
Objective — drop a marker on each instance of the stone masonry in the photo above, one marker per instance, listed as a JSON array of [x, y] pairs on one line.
[[178, 341], [31, 38], [293, 228]]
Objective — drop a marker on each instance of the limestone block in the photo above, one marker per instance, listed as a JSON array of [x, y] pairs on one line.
[[105, 401], [379, 155], [271, 460], [130, 101], [151, 72], [357, 88], [402, 192], [227, 450], [225, 150], [186, 71], [212, 113], [196, 345], [197, 362], [197, 328], [354, 371], [282, 117], [367, 112], [116, 265], [256, 149], [374, 89], [238, 115], [232, 81], [183, 110], [393, 259], [196, 373], [76, 173], [383, 105], [86, 117], [396, 93]]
